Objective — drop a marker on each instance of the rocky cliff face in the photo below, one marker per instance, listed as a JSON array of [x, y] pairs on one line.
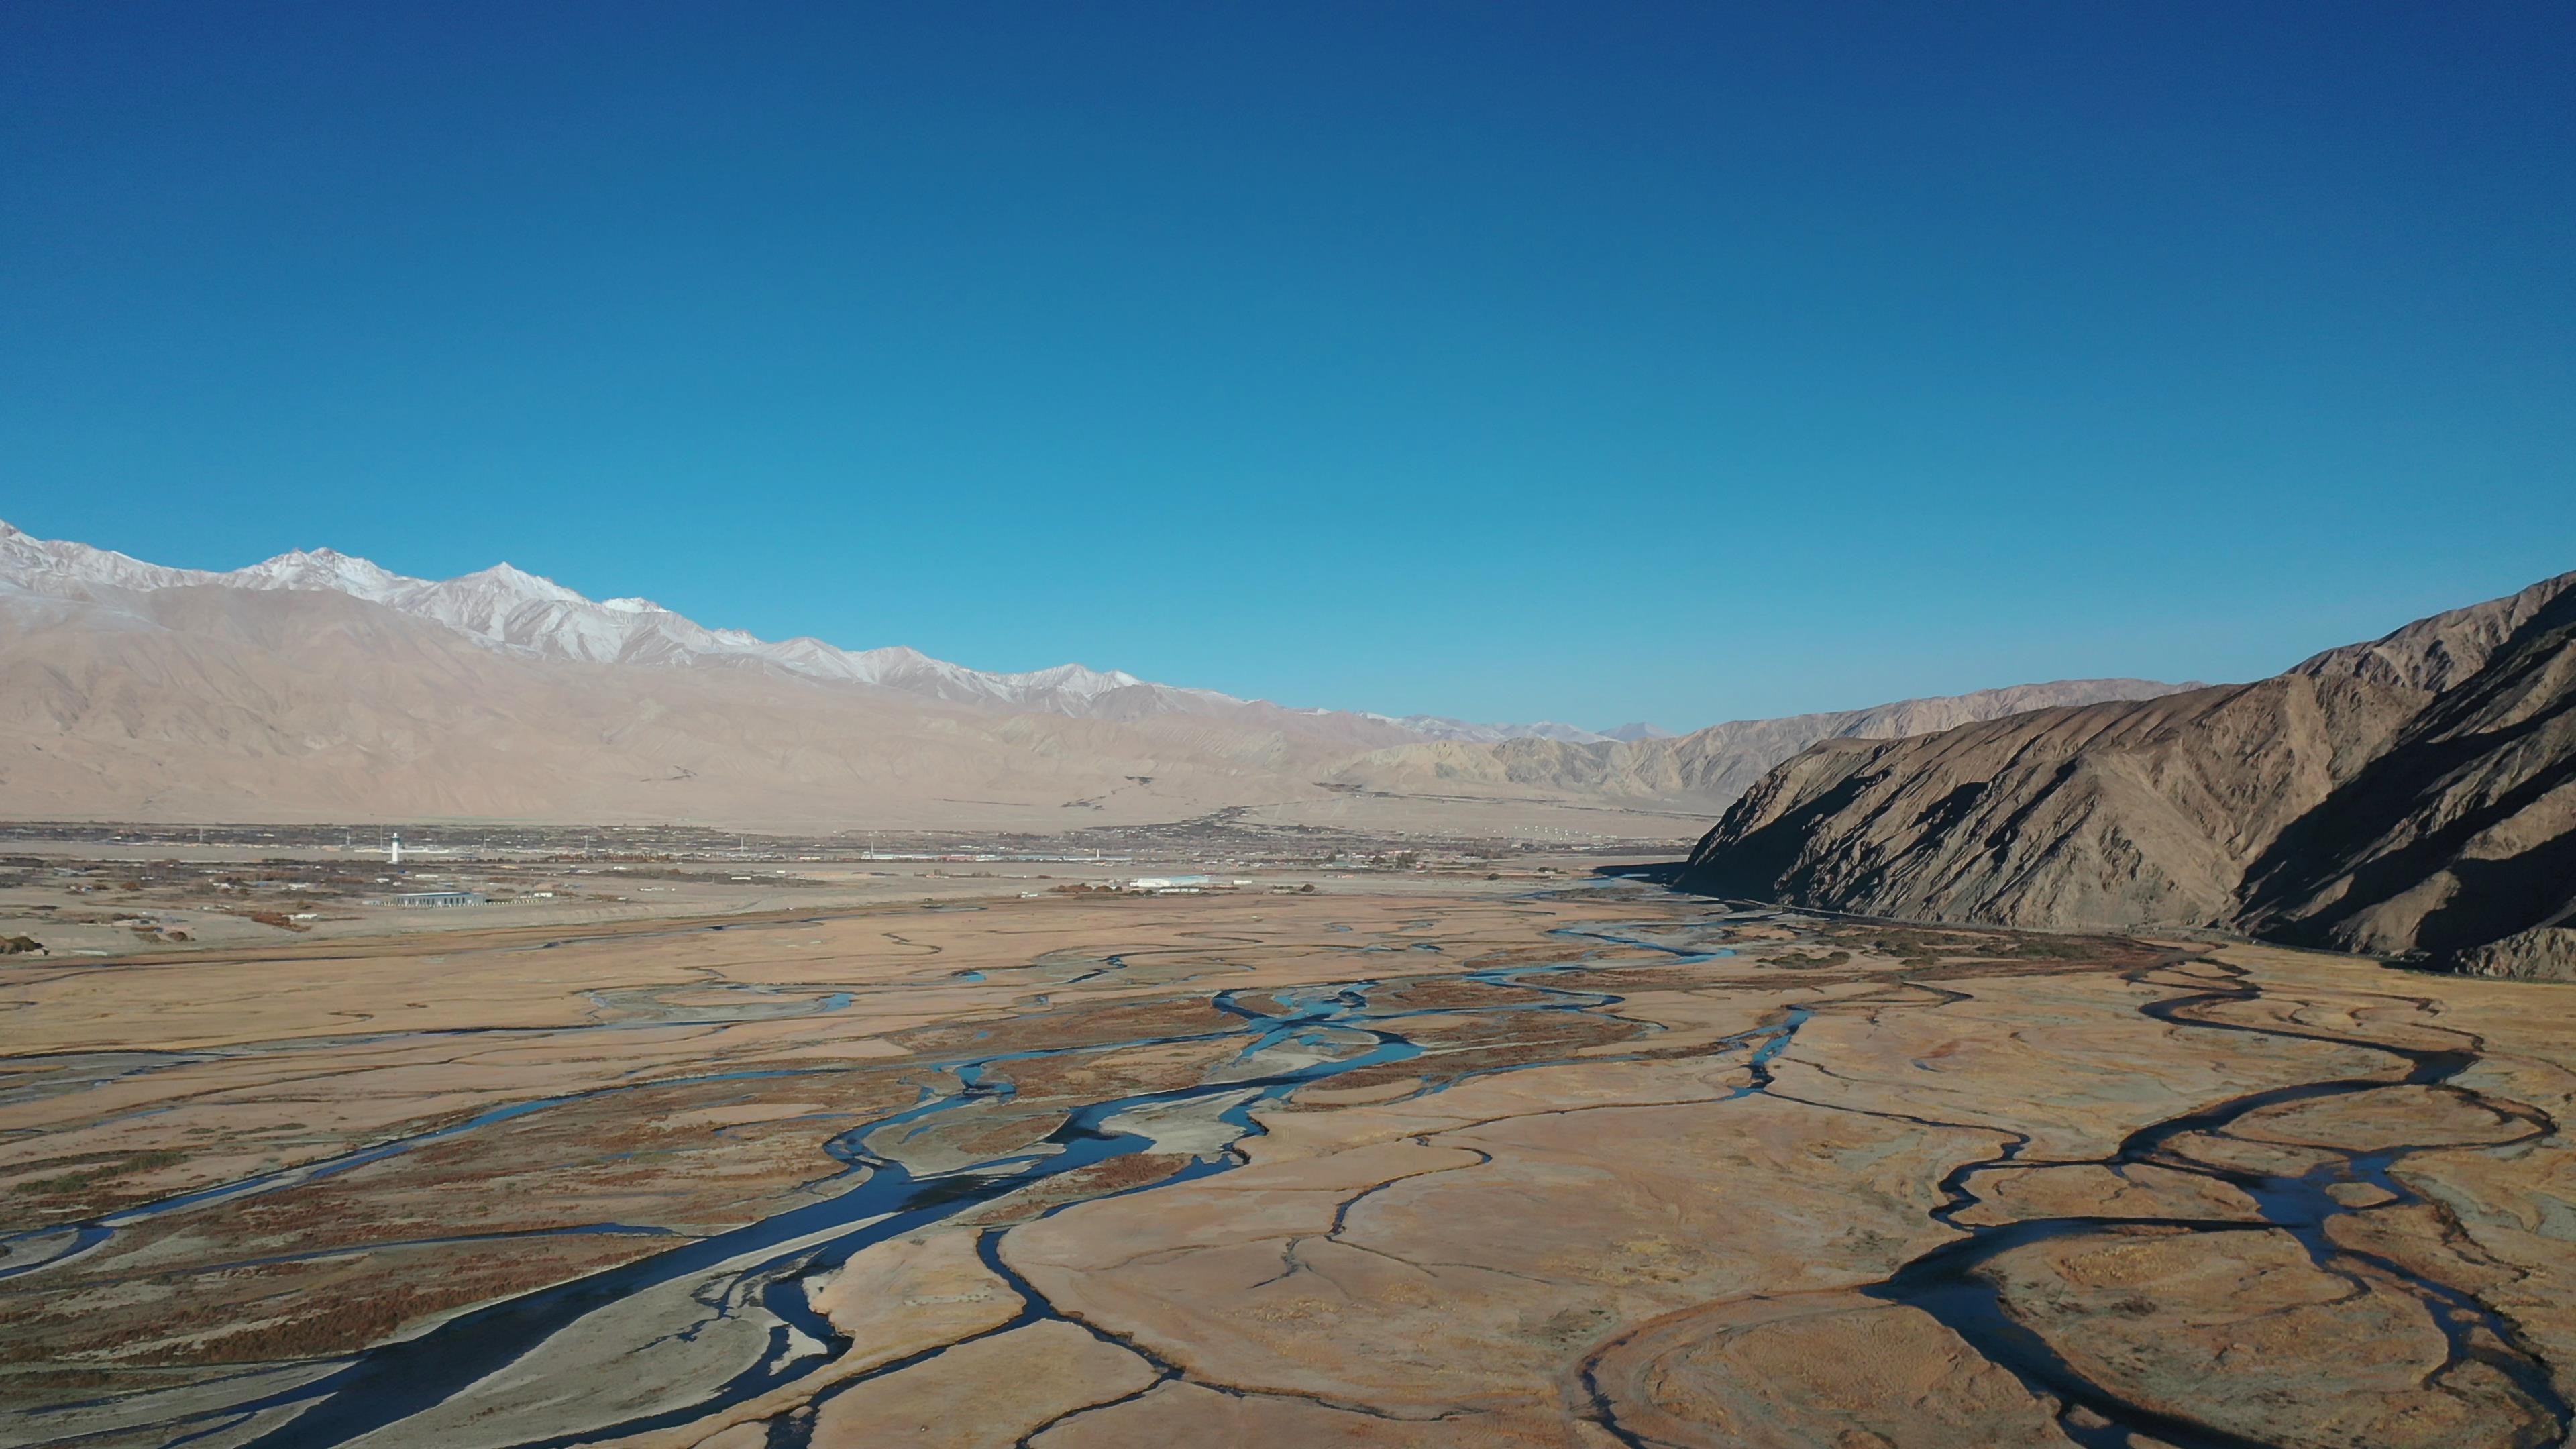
[[2411, 796]]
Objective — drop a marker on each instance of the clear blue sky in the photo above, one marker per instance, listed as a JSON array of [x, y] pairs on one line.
[[1581, 361]]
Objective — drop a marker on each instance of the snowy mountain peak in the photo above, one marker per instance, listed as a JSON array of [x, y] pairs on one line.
[[1076, 679], [519, 581], [506, 608], [42, 565], [322, 569]]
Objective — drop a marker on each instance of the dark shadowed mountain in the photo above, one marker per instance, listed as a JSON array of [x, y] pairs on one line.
[[2413, 796]]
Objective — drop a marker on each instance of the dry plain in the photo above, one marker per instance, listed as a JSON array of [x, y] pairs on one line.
[[1454, 1164]]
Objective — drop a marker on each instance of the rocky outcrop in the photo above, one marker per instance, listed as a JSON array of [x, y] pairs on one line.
[[2415, 795], [2547, 953]]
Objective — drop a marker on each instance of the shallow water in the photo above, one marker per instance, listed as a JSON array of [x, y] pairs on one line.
[[1331, 1030], [1291, 1038], [1947, 1282]]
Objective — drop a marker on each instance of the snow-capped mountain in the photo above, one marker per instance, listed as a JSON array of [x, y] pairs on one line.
[[317, 686], [509, 609]]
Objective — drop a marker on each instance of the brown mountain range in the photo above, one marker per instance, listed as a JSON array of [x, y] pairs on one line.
[[212, 704], [2413, 796], [1706, 769], [316, 687]]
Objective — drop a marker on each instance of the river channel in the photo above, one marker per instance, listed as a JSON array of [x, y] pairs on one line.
[[756, 1280]]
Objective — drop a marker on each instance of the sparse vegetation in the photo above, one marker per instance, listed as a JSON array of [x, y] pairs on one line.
[[88, 1177]]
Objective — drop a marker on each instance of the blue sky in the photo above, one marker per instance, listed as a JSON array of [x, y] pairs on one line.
[[1679, 362]]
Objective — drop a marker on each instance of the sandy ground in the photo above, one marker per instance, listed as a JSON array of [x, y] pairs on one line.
[[85, 900], [1403, 1161]]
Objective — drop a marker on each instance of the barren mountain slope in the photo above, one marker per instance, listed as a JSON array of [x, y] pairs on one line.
[[2409, 794], [513, 612], [211, 703], [2460, 838], [318, 686], [1705, 769]]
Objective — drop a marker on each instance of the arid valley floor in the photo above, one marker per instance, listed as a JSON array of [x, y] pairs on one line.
[[1448, 1161]]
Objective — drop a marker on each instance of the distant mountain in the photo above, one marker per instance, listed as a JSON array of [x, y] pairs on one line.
[[2415, 795], [317, 686], [509, 609], [1630, 733], [1432, 726], [1703, 770], [208, 703]]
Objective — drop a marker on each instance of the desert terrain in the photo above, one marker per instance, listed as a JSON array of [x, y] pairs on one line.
[[1414, 1157], [1166, 726], [317, 687]]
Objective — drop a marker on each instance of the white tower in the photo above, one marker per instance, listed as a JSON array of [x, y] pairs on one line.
[[393, 852]]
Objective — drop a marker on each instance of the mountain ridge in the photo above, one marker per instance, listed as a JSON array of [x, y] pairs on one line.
[[320, 686], [1706, 767], [509, 608], [2412, 795]]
